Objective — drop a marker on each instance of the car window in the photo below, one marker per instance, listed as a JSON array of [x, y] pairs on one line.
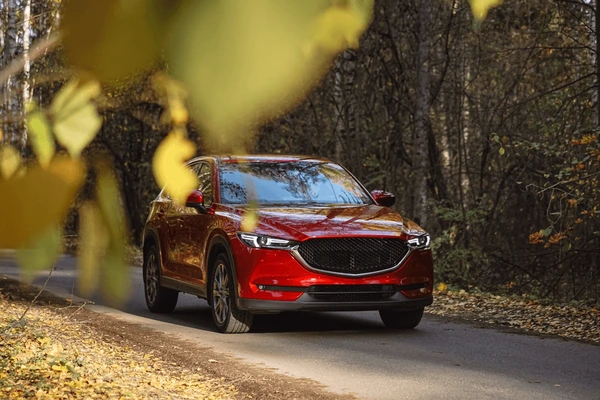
[[204, 173], [289, 183]]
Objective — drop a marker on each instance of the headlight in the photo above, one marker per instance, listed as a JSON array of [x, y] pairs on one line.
[[420, 242], [265, 242]]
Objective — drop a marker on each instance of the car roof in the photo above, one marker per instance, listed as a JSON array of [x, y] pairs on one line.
[[266, 158]]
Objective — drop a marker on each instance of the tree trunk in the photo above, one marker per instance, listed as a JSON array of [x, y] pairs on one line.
[[26, 68], [9, 51], [422, 120]]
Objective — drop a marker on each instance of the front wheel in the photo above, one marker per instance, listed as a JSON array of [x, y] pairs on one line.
[[158, 299], [400, 319], [227, 317]]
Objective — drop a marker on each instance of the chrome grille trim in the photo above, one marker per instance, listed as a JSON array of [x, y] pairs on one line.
[[296, 254]]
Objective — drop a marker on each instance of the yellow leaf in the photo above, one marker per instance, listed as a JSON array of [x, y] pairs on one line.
[[169, 169], [480, 8], [41, 137], [10, 161], [113, 38], [32, 203], [93, 242], [115, 274], [263, 69], [338, 28], [249, 220], [76, 120], [442, 287], [41, 252], [111, 204], [175, 94]]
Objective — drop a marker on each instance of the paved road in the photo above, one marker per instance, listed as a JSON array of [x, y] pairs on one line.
[[353, 353]]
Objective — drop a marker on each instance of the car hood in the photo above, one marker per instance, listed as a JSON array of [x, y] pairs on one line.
[[304, 223]]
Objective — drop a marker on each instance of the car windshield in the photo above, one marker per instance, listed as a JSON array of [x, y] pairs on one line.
[[292, 183]]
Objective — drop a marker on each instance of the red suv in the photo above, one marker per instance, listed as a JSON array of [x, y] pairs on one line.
[[321, 242]]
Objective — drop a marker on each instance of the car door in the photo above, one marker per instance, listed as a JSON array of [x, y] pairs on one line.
[[196, 223]]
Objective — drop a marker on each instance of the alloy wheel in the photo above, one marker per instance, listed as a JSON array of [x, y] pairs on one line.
[[221, 299], [151, 278]]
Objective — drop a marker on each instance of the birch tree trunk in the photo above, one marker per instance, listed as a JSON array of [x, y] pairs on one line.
[[422, 120], [26, 67], [9, 51]]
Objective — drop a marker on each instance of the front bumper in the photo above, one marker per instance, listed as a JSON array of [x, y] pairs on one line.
[[307, 303]]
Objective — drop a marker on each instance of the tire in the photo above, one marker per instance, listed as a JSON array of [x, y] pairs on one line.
[[400, 319], [227, 317], [158, 299]]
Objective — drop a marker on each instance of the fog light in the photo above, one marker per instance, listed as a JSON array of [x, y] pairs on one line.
[[260, 287]]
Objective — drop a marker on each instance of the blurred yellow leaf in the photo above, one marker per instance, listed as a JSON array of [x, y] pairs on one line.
[[111, 204], [10, 161], [480, 8], [114, 38], [249, 220], [41, 137], [169, 166], [115, 274], [338, 28], [41, 252], [442, 287], [38, 199], [175, 94], [93, 242], [247, 61], [76, 121]]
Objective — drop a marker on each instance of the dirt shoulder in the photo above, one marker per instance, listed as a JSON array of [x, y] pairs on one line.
[[60, 350]]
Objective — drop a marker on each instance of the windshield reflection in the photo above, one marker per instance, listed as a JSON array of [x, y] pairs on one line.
[[301, 183]]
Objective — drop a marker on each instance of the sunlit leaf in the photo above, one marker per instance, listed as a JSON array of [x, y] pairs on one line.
[[480, 8], [10, 161], [250, 218], [93, 242], [169, 166], [338, 28], [76, 121], [115, 274], [247, 61], [175, 95], [41, 137], [38, 199], [41, 252], [114, 38]]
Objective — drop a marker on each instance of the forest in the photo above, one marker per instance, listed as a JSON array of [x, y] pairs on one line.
[[486, 130]]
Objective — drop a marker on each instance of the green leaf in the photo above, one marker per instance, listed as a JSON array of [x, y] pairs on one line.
[[93, 242], [41, 137], [547, 232], [76, 121], [115, 275], [41, 252], [501, 151]]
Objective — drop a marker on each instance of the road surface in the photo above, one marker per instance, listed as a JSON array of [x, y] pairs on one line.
[[351, 352]]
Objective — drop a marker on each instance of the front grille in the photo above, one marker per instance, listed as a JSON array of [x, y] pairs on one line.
[[354, 256], [352, 292]]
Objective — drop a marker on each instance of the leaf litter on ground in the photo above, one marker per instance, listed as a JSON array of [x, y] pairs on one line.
[[48, 355], [521, 313]]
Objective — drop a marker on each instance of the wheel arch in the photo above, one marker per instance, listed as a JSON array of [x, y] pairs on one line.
[[219, 244]]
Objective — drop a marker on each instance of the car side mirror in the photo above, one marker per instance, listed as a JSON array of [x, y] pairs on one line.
[[196, 200], [383, 198]]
